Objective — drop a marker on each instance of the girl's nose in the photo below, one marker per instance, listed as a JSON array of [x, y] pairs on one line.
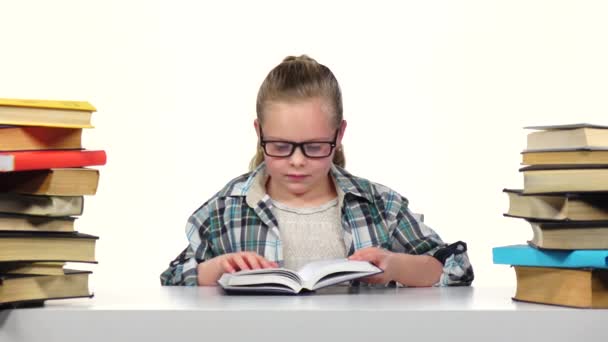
[[298, 158]]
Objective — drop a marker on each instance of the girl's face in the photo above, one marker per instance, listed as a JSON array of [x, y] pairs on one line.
[[300, 121]]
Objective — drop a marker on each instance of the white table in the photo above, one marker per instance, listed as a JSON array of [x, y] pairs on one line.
[[334, 314]]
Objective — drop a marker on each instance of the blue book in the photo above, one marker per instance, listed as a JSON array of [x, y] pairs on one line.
[[525, 255]]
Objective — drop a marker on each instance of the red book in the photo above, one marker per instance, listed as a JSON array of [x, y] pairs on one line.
[[41, 160]]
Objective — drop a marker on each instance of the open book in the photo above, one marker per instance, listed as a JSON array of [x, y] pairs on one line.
[[310, 277]]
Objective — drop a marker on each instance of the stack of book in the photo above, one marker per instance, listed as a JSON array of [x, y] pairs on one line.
[[565, 200], [43, 178]]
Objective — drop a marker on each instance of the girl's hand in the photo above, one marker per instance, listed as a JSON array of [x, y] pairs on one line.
[[379, 257], [233, 262]]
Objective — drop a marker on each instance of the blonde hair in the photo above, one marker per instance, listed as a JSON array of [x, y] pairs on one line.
[[298, 78]]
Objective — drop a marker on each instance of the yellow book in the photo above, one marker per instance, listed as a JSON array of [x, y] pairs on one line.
[[52, 182], [555, 157], [36, 223], [50, 113], [581, 288], [570, 178], [30, 290], [567, 137], [557, 206], [32, 268], [47, 246]]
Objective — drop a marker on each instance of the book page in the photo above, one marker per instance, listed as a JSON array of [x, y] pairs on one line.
[[267, 278], [334, 271], [284, 272]]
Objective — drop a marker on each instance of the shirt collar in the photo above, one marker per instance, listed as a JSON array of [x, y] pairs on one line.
[[254, 187]]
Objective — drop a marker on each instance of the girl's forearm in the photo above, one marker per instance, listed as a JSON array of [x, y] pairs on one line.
[[415, 270], [209, 272]]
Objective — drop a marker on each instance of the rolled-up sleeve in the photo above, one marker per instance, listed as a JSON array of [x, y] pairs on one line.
[[411, 235], [183, 269]]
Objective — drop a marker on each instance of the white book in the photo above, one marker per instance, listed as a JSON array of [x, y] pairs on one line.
[[310, 277], [40, 205], [567, 138]]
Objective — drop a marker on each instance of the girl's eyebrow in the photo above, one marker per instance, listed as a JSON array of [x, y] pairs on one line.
[[268, 138], [273, 138]]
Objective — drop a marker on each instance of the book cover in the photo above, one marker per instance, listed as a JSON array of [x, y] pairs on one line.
[[51, 104], [566, 149], [565, 126], [40, 160], [525, 255], [563, 167], [310, 277]]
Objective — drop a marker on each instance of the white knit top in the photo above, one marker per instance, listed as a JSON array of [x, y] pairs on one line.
[[309, 234]]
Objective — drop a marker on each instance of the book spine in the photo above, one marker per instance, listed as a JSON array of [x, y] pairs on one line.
[[560, 259], [41, 160]]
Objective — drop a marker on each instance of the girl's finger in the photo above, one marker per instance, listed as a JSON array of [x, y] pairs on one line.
[[266, 264], [252, 260], [365, 252], [227, 267], [372, 257], [241, 264]]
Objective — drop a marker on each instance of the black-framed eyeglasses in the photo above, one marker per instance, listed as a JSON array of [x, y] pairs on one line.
[[311, 149]]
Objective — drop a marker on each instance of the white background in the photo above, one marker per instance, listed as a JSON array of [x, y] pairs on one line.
[[435, 94]]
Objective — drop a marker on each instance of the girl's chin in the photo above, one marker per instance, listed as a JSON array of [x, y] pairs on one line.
[[297, 188]]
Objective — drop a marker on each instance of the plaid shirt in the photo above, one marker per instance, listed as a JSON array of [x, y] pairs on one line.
[[239, 218]]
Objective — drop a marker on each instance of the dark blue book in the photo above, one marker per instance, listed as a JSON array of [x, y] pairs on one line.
[[525, 255]]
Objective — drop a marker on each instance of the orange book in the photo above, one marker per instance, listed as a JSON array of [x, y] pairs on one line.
[[41, 160], [21, 138]]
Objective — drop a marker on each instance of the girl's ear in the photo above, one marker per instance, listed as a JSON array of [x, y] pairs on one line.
[[341, 133], [256, 125]]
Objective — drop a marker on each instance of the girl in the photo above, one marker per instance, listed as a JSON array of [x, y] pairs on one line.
[[298, 204]]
